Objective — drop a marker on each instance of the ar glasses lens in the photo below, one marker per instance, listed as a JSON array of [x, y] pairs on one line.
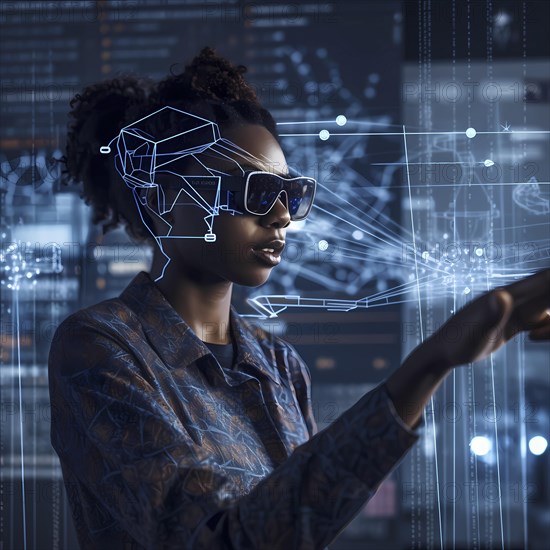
[[262, 192], [263, 189]]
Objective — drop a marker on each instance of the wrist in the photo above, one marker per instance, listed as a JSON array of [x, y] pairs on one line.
[[430, 359], [412, 384]]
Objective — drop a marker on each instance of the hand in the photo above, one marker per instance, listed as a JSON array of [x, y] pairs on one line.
[[477, 330], [488, 322]]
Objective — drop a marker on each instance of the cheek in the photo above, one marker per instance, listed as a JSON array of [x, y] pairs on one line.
[[234, 235], [189, 220], [236, 227]]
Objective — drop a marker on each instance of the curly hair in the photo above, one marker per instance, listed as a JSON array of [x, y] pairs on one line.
[[210, 86]]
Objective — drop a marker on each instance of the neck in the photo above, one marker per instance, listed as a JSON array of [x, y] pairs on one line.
[[203, 302]]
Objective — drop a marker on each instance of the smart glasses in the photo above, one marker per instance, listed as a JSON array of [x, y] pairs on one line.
[[258, 191]]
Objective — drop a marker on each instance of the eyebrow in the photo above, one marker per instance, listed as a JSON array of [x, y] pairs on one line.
[[242, 166], [248, 166]]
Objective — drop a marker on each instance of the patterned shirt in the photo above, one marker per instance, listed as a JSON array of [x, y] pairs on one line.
[[162, 447]]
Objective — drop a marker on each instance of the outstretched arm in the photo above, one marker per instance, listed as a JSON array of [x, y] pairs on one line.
[[139, 465], [485, 325]]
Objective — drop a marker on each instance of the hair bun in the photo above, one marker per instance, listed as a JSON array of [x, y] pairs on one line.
[[208, 76], [97, 115], [210, 86], [100, 111]]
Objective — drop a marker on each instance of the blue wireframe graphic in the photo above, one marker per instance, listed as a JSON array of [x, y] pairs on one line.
[[155, 162]]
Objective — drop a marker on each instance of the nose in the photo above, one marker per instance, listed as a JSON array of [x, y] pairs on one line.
[[279, 215]]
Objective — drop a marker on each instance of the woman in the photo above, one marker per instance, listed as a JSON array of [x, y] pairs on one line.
[[177, 424]]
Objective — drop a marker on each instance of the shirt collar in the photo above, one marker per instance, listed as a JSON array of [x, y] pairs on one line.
[[174, 340]]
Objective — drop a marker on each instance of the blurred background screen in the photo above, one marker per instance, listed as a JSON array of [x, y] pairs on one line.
[[426, 124]]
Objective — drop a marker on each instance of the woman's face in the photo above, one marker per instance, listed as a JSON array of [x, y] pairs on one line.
[[236, 254]]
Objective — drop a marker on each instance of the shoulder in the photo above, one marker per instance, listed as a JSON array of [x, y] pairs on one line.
[[104, 329], [110, 316]]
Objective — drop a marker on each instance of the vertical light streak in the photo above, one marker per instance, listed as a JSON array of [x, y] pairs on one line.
[[523, 436], [34, 434], [453, 47], [496, 441], [454, 433], [422, 332], [472, 382], [523, 444], [18, 346], [472, 374]]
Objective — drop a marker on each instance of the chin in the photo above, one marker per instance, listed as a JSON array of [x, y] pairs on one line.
[[252, 278]]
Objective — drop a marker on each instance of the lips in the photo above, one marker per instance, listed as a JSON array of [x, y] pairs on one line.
[[269, 252]]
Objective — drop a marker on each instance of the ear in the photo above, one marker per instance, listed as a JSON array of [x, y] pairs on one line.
[[157, 201], [154, 204], [161, 197]]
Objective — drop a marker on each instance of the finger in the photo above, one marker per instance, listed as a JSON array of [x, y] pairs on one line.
[[528, 316], [503, 302], [533, 288], [541, 333], [540, 320]]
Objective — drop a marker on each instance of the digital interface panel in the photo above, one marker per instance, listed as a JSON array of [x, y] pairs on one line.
[[428, 137]]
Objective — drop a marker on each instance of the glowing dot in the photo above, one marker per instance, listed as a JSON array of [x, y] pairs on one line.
[[286, 280], [322, 245], [538, 444], [324, 135], [425, 255], [467, 290], [488, 162], [105, 149], [341, 120], [479, 252], [325, 363], [357, 235], [471, 132], [370, 92], [445, 235], [380, 363], [480, 445], [310, 86]]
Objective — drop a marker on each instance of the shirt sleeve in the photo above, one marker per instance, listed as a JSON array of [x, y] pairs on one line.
[[301, 379], [112, 427]]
